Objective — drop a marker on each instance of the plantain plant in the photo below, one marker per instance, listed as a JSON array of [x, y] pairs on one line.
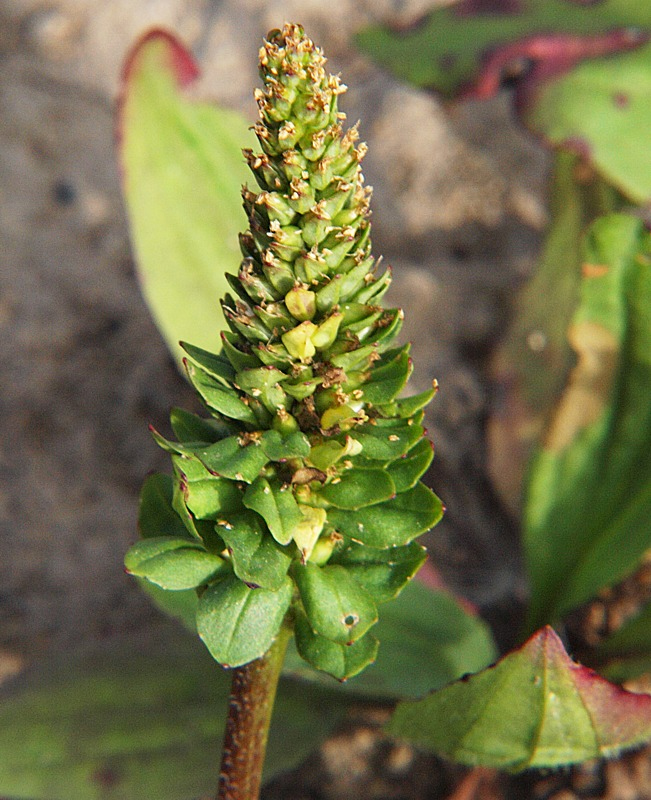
[[294, 507], [300, 494]]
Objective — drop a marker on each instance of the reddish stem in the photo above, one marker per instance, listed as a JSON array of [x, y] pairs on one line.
[[250, 707]]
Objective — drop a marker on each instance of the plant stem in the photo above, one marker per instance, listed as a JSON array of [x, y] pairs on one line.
[[250, 706]]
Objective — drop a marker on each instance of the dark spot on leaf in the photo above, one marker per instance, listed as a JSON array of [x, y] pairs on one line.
[[621, 100], [448, 61], [64, 193], [106, 777], [350, 620]]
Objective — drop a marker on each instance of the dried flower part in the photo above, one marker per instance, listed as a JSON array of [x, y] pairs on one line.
[[303, 488]]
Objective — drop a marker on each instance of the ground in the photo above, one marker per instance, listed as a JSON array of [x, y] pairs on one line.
[[459, 206]]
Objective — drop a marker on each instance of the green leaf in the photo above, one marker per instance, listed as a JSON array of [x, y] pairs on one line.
[[189, 427], [258, 560], [275, 503], [215, 365], [383, 573], [406, 470], [238, 624], [603, 109], [588, 500], [336, 605], [426, 641], [395, 522], [626, 653], [230, 459], [218, 396], [181, 605], [139, 717], [447, 50], [156, 516], [385, 440], [211, 497], [388, 379], [408, 406], [357, 488], [535, 358], [280, 448], [342, 661], [172, 563], [534, 708], [182, 169]]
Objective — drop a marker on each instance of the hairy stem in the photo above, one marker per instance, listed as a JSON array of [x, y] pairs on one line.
[[250, 707]]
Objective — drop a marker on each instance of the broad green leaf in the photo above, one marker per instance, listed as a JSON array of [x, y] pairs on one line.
[[139, 717], [426, 641], [395, 522], [156, 516], [406, 470], [275, 503], [211, 497], [182, 169], [337, 607], [342, 661], [172, 563], [238, 624], [602, 109], [258, 560], [534, 708], [232, 459], [626, 653], [383, 573], [357, 488], [448, 50], [588, 499]]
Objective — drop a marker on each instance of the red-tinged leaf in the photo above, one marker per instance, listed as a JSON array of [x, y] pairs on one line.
[[472, 47], [580, 71], [182, 168], [534, 708]]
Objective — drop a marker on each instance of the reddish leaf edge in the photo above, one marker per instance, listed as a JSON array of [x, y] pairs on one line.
[[621, 718], [181, 63], [542, 57]]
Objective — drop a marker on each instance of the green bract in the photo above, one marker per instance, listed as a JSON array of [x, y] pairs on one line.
[[300, 497]]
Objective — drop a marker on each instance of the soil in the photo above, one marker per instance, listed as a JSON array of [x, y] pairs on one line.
[[459, 207]]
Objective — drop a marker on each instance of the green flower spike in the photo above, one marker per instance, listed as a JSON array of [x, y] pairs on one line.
[[300, 498]]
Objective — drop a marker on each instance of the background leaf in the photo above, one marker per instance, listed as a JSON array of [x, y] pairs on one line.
[[447, 50], [534, 359], [138, 718], [534, 708], [182, 169], [565, 89], [626, 653], [588, 500], [602, 109]]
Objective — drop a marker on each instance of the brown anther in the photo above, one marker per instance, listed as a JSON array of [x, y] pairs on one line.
[[246, 438]]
